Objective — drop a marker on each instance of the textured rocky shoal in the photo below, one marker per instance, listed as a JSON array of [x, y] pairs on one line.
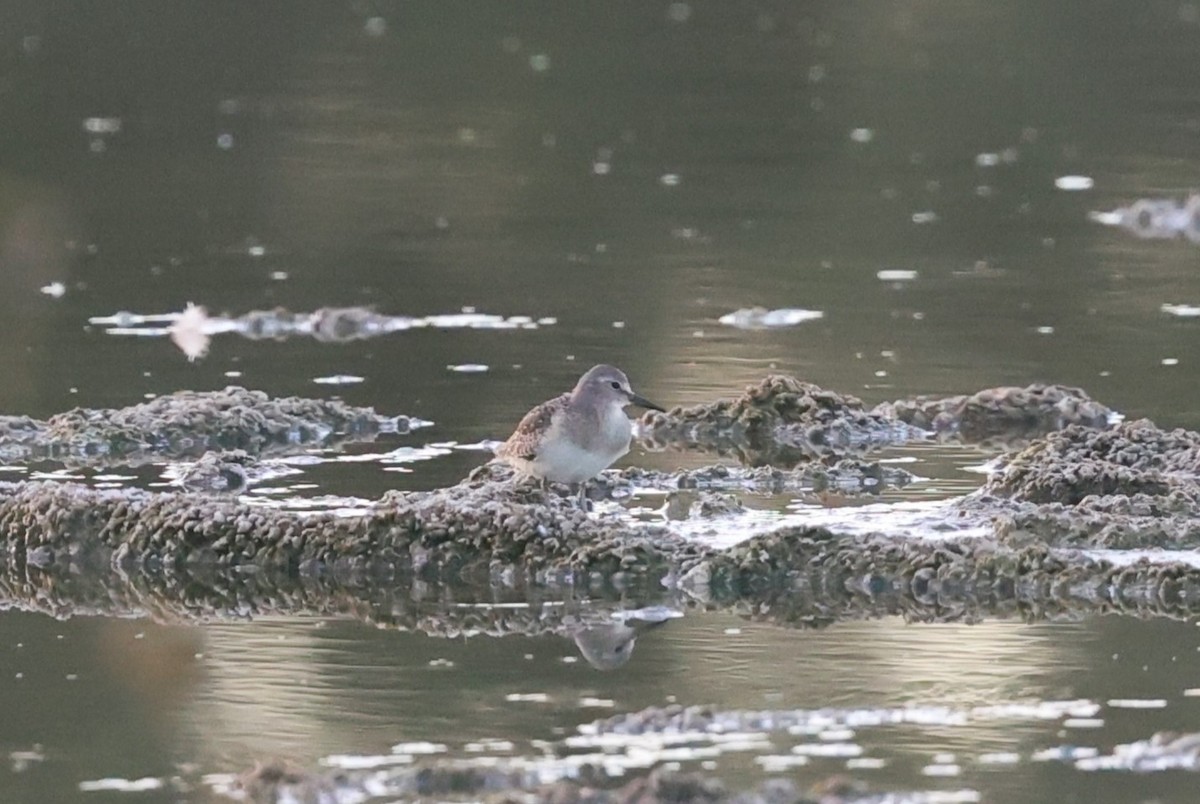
[[785, 421], [188, 424], [1132, 485], [498, 784]]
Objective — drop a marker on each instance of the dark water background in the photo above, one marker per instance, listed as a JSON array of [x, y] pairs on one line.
[[638, 162]]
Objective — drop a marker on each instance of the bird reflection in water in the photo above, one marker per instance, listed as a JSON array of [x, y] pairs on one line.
[[607, 647]]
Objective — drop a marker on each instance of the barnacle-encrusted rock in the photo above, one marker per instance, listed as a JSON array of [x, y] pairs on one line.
[[1134, 458], [74, 550], [784, 421], [1005, 414], [1130, 487], [1134, 486], [781, 420], [217, 472], [476, 522], [188, 424]]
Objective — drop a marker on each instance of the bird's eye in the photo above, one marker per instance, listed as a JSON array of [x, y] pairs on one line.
[[616, 385]]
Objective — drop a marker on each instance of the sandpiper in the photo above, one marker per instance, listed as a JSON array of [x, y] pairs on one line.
[[573, 437]]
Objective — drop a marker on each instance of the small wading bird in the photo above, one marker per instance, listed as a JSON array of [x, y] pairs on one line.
[[573, 437]]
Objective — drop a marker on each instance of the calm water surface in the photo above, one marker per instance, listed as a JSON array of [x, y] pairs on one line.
[[633, 171]]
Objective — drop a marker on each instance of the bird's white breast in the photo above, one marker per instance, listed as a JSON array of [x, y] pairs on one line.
[[563, 459]]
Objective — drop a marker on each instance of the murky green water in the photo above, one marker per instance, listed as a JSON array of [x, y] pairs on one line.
[[633, 171]]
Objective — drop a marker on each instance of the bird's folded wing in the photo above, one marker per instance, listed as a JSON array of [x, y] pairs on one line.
[[527, 438]]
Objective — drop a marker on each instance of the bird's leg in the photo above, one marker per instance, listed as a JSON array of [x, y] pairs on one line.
[[583, 498]]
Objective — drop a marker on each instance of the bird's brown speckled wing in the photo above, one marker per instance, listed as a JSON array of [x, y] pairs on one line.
[[523, 444]]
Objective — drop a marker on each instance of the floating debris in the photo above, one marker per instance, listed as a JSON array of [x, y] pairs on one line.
[[55, 290], [102, 125], [895, 275], [762, 318], [468, 368], [1182, 310], [1137, 703], [193, 328], [1156, 218], [339, 379], [1074, 183], [192, 332], [24, 760], [123, 785]]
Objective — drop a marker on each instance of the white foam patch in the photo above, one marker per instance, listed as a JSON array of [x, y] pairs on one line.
[[400, 455], [142, 785], [941, 770], [1137, 703], [1074, 183], [865, 763], [922, 519], [1182, 310], [420, 747], [333, 505], [339, 379]]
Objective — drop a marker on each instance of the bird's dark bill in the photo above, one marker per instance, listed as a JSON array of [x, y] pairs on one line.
[[643, 402]]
